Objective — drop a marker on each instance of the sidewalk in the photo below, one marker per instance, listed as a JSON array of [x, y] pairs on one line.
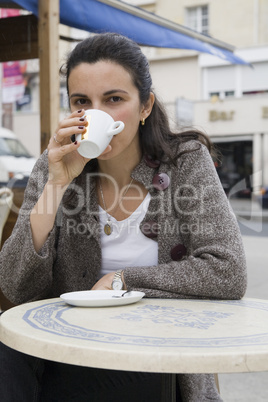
[[250, 387], [249, 209]]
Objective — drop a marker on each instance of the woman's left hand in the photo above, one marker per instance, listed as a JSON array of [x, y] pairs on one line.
[[105, 283]]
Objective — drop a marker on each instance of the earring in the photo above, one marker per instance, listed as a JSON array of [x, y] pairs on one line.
[[143, 122]]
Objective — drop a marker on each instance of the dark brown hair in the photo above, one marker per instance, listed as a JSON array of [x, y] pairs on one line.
[[156, 138]]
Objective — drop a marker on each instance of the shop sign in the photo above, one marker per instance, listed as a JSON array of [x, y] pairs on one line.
[[215, 115]]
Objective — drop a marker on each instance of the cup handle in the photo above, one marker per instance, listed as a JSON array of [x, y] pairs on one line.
[[116, 128]]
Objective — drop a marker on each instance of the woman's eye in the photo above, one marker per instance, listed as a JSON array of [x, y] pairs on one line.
[[81, 101], [115, 99]]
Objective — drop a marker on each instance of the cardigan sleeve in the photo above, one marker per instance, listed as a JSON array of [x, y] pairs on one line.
[[215, 264], [25, 274]]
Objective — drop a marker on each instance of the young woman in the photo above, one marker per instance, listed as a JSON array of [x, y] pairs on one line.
[[149, 212]]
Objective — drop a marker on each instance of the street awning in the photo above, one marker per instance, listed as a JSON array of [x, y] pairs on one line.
[[144, 27]]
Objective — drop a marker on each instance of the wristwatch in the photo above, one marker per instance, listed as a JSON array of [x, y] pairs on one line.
[[117, 283]]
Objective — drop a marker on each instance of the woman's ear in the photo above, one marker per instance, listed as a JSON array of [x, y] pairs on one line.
[[147, 108]]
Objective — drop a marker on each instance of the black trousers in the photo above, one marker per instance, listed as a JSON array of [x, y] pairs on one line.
[[25, 378]]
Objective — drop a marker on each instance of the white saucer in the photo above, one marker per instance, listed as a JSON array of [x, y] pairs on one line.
[[101, 298]]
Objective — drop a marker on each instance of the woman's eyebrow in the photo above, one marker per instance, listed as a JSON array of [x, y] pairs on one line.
[[112, 91], [77, 95]]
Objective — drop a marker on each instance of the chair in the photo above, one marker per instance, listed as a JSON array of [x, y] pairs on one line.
[[6, 199]]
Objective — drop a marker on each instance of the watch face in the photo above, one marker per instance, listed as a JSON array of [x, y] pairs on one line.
[[117, 285]]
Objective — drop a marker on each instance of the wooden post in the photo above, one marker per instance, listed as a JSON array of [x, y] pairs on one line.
[[48, 44]]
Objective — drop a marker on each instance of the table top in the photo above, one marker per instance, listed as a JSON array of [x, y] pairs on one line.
[[153, 335]]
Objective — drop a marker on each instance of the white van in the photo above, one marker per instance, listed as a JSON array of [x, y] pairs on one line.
[[16, 163]]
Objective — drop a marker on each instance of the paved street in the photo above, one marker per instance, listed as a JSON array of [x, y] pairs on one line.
[[250, 387]]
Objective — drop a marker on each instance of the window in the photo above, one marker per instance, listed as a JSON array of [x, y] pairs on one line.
[[214, 94], [229, 93], [236, 166], [219, 82], [255, 92], [197, 19], [221, 95]]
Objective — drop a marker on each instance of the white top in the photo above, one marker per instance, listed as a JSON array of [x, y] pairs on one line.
[[127, 246]]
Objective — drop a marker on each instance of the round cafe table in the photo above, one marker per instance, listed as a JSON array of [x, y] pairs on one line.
[[152, 335]]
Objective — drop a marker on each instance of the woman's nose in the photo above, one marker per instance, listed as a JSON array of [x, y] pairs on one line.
[[96, 104], [96, 107]]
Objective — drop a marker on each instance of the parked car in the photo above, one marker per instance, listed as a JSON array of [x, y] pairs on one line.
[[16, 162], [263, 197]]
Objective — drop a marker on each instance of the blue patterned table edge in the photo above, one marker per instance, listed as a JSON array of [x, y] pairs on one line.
[[49, 318]]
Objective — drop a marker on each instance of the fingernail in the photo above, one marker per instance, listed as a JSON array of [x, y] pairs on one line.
[[82, 119], [81, 127], [75, 143], [79, 111]]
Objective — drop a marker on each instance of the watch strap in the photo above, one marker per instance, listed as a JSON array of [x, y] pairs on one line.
[[118, 279], [118, 276]]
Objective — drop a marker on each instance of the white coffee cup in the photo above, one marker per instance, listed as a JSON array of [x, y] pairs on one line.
[[100, 131]]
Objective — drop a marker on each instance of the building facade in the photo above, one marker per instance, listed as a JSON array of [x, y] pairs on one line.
[[234, 112], [228, 102]]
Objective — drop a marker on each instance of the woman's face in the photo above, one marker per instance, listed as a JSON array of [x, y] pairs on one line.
[[107, 86]]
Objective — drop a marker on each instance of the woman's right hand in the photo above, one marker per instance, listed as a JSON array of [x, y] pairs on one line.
[[65, 163]]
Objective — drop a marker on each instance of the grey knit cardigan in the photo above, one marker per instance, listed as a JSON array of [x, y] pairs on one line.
[[192, 213]]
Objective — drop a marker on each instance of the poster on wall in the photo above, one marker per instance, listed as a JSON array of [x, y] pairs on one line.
[[13, 83]]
